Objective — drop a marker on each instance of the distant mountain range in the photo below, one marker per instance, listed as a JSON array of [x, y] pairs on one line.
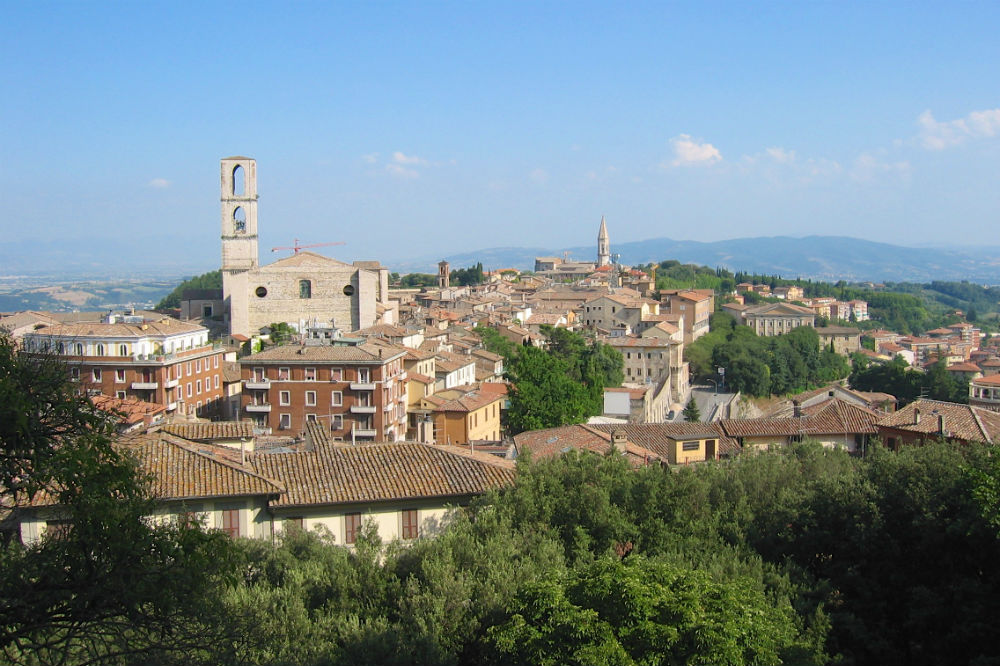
[[826, 258]]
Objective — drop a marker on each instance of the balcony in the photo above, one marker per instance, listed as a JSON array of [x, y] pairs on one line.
[[145, 386], [363, 409], [364, 432], [171, 383], [262, 383], [171, 406], [258, 407], [362, 386]]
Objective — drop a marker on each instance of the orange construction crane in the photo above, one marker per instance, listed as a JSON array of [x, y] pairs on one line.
[[296, 247]]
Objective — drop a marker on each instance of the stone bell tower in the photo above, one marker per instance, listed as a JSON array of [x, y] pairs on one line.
[[239, 235]]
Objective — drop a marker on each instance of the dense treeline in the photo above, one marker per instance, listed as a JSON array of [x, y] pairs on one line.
[[760, 366], [210, 280], [907, 384]]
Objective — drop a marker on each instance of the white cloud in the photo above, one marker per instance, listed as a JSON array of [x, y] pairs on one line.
[[370, 158], [688, 152], [401, 171], [936, 135], [159, 183], [780, 155], [869, 166], [413, 160], [539, 176]]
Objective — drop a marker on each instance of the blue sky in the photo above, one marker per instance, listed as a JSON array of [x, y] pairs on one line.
[[410, 130]]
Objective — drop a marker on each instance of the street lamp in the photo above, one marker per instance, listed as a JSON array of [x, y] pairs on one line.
[[716, 385]]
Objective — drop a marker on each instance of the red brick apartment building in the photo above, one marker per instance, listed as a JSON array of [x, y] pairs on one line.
[[358, 392], [164, 361]]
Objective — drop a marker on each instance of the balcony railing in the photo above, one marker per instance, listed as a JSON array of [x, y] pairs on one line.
[[171, 383], [365, 432], [258, 407], [362, 386], [257, 383], [145, 386], [363, 409]]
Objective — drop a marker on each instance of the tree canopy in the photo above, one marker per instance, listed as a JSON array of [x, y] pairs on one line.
[[210, 280]]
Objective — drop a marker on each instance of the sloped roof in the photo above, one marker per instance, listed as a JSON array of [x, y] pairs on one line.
[[379, 472], [657, 437], [366, 353], [971, 424], [210, 430], [832, 417], [307, 259], [556, 441]]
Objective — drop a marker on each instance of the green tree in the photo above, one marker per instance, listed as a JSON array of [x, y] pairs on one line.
[[112, 583], [210, 280], [543, 392], [691, 412]]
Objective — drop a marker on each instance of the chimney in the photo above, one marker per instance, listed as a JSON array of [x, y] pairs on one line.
[[796, 409], [916, 416], [618, 438], [941, 429]]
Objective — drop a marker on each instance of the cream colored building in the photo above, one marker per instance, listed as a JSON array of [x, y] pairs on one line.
[[303, 289]]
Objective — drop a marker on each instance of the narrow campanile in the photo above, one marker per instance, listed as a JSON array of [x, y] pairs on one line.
[[239, 233], [603, 245]]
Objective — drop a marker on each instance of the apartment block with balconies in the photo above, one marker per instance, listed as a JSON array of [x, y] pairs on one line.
[[357, 392]]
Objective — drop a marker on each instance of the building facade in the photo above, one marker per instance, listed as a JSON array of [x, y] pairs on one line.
[[357, 392], [165, 361]]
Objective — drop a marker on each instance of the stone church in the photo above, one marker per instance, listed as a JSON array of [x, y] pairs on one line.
[[303, 290]]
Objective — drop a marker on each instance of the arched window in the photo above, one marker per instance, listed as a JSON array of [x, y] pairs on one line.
[[79, 349], [239, 220], [305, 289], [62, 348], [239, 181], [100, 349], [123, 350]]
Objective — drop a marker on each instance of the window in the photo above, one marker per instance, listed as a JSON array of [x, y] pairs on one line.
[[410, 525], [352, 525], [74, 373], [79, 349], [197, 387], [337, 399], [336, 374], [311, 398], [206, 310], [189, 368], [231, 522], [310, 418], [197, 365], [215, 361], [100, 349], [310, 374], [120, 395], [284, 398], [179, 369], [284, 421], [189, 391], [690, 446], [198, 407], [123, 350], [120, 375], [97, 374], [284, 374], [216, 382], [305, 289], [295, 523], [364, 375], [337, 422]]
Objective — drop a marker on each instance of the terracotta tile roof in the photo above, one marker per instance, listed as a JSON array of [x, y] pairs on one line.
[[210, 430], [165, 326], [231, 372], [304, 258], [364, 353], [963, 367], [131, 410], [379, 473], [417, 377], [970, 424], [183, 470], [657, 437], [832, 417], [989, 380], [552, 442], [468, 402]]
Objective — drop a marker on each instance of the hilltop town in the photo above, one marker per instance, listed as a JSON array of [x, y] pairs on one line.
[[314, 395]]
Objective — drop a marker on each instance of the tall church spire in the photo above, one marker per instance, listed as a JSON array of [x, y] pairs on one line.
[[603, 245]]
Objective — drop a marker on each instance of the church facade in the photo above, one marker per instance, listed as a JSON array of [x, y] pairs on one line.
[[302, 290]]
